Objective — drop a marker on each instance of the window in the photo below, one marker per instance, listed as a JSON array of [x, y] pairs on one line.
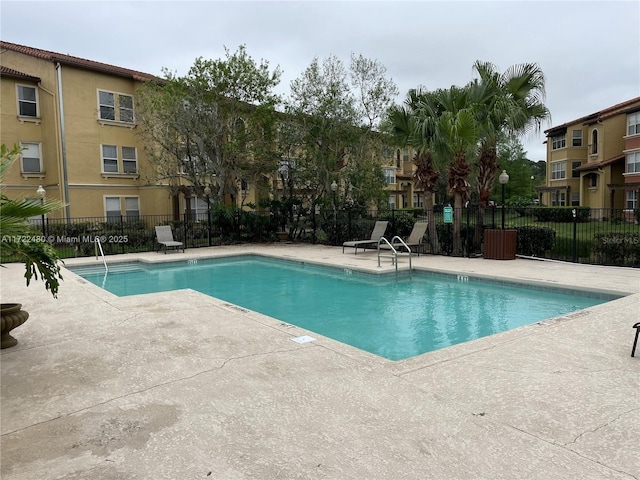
[[113, 208], [577, 138], [558, 170], [120, 111], [575, 199], [559, 141], [633, 123], [107, 104], [575, 165], [125, 103], [196, 207], [132, 208], [31, 160], [392, 201], [558, 199], [27, 101], [632, 199], [129, 162], [389, 175], [417, 200], [594, 142], [633, 162], [109, 159], [405, 155], [593, 180]]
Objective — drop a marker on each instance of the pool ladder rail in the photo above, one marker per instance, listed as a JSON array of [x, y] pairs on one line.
[[98, 246], [394, 253]]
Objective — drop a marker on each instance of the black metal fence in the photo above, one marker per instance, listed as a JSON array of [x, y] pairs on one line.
[[576, 234]]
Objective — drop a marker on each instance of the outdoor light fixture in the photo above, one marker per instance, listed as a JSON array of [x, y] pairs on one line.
[[503, 179], [41, 193]]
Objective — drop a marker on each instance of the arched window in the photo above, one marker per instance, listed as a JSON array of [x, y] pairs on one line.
[[594, 142]]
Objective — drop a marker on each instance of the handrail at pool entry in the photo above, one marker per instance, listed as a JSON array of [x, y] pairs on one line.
[[393, 241], [393, 256], [98, 245]]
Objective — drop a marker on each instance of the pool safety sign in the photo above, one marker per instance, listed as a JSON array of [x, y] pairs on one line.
[[448, 215]]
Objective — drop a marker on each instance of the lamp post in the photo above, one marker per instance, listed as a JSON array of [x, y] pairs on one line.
[[334, 189], [503, 179], [207, 192], [41, 193]]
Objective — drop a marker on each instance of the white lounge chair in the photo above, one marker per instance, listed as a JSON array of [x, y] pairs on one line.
[[164, 237], [378, 231]]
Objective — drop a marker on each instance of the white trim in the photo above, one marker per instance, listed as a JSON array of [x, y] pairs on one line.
[[22, 118]]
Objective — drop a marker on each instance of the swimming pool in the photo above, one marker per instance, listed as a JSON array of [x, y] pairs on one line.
[[393, 316]]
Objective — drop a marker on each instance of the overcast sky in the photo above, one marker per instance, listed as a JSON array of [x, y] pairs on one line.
[[589, 51]]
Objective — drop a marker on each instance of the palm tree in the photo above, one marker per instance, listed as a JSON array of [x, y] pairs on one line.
[[506, 103], [455, 139], [39, 257], [406, 131]]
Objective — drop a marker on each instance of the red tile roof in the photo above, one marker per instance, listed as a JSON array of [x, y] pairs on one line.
[[76, 61], [603, 163], [600, 115], [10, 72]]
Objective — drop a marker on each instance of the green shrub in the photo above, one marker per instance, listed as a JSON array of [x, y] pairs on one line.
[[403, 222], [617, 248], [535, 241], [561, 214], [563, 249]]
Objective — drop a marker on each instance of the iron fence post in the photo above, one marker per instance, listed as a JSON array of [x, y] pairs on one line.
[[575, 233], [122, 233]]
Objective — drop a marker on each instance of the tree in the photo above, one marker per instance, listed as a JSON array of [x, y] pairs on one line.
[[407, 131], [513, 158], [333, 115], [18, 241], [455, 136], [506, 104], [214, 127]]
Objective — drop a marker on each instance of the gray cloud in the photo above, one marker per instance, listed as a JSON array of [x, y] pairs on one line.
[[587, 49]]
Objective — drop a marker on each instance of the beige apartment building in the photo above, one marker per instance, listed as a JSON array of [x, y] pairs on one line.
[[594, 161], [75, 120]]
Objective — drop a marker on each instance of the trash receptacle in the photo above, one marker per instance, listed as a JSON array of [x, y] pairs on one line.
[[500, 244]]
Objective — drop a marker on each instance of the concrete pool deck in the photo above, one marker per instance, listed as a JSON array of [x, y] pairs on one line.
[[179, 385]]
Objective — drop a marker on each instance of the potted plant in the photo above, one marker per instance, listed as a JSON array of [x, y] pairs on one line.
[[18, 243]]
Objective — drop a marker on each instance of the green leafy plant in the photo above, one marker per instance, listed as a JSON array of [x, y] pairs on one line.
[[18, 242], [535, 241]]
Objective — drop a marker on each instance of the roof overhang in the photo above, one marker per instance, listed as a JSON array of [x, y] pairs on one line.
[[587, 167]]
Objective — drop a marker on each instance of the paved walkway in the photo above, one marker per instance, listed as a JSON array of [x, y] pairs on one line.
[[179, 385]]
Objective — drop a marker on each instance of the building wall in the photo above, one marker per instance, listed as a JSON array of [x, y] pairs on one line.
[[598, 185], [84, 134], [43, 131]]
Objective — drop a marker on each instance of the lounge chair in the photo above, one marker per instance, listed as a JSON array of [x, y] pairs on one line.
[[378, 231], [414, 241], [164, 237]]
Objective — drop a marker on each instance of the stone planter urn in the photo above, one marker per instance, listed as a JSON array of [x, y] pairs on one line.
[[12, 316]]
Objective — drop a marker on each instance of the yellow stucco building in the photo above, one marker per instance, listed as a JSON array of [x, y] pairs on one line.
[[594, 161], [75, 120]]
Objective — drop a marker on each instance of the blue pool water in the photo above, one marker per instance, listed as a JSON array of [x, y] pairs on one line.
[[395, 317]]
